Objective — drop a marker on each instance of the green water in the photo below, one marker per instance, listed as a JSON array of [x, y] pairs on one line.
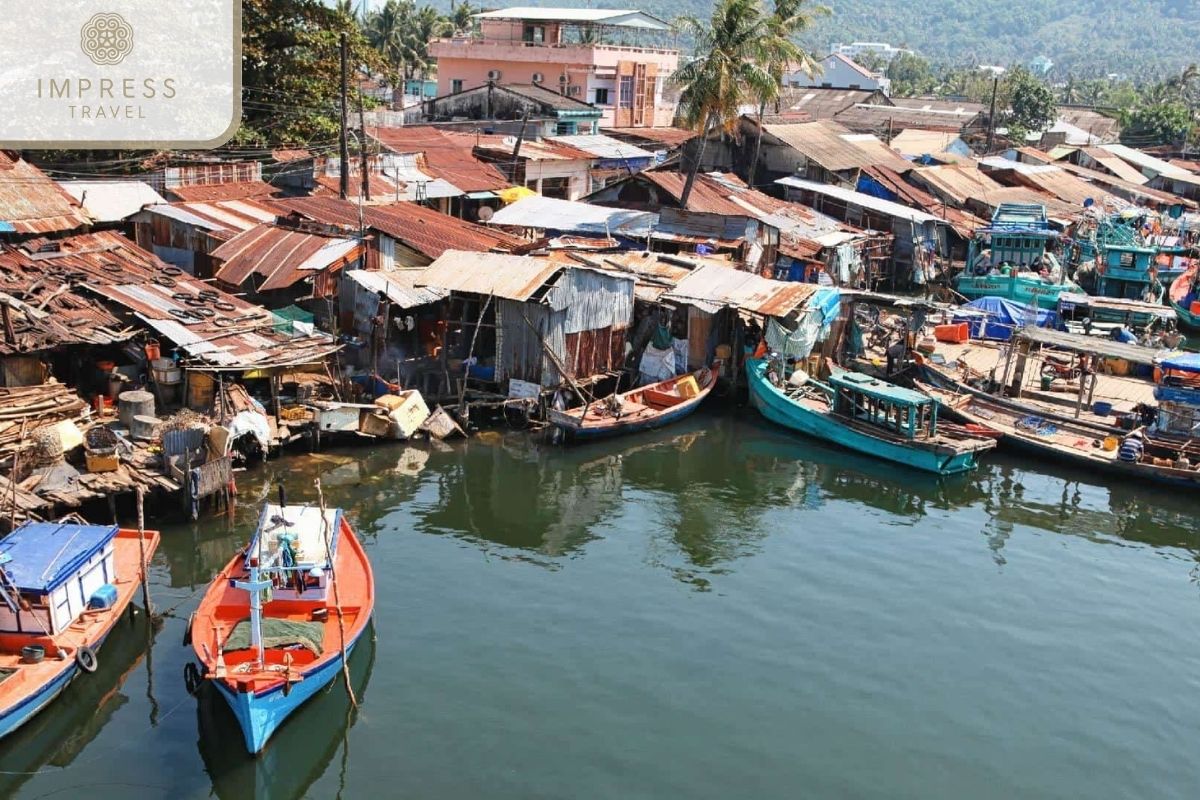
[[719, 610]]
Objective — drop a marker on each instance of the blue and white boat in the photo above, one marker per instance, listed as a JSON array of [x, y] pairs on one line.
[[863, 414]]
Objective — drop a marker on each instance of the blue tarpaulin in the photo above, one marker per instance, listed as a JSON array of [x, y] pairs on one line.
[[1182, 362], [997, 317]]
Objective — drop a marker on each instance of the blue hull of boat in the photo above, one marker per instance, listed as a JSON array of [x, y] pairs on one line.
[[780, 409], [13, 718], [260, 715]]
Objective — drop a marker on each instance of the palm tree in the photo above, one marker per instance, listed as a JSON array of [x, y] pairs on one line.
[[386, 31], [461, 15], [427, 25], [724, 72], [779, 53]]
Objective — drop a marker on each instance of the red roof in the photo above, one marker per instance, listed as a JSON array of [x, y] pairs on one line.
[[209, 192], [707, 194], [281, 256], [672, 137], [32, 203], [427, 231], [449, 157]]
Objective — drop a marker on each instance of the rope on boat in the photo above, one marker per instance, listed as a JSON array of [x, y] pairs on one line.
[[337, 603]]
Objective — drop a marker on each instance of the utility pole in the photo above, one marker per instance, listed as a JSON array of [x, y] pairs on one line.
[[344, 178], [362, 150], [992, 116]]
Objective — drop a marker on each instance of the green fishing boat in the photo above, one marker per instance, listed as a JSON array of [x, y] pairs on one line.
[[1010, 259]]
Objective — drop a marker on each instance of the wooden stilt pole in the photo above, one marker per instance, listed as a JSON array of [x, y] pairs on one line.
[[337, 604], [141, 523]]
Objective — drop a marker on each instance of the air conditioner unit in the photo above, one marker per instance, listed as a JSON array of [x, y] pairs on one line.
[[493, 74], [564, 79], [538, 77]]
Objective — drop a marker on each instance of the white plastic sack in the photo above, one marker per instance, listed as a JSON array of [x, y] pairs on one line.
[[657, 365]]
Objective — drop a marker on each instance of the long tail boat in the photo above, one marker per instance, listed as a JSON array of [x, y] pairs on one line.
[[1064, 439], [641, 409], [278, 623], [63, 587], [867, 415]]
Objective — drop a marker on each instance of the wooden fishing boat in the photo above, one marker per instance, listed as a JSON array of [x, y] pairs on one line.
[[278, 623], [62, 588], [1065, 439], [641, 409], [1183, 296], [867, 415]]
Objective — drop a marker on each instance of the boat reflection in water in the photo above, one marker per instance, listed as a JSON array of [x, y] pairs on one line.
[[299, 753], [56, 738]]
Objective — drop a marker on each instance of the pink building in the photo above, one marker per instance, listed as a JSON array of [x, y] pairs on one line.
[[617, 60]]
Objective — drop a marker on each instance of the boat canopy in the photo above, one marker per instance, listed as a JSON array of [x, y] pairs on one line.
[[1181, 362], [38, 557], [1091, 345], [293, 537], [865, 384]]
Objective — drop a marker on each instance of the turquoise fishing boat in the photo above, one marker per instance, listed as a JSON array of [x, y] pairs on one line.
[[864, 414], [1009, 259]]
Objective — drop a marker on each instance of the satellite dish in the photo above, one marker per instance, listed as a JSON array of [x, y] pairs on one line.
[[1175, 211], [1089, 202], [484, 213]]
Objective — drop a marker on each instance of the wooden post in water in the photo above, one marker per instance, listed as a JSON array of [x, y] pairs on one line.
[[141, 523], [337, 603]]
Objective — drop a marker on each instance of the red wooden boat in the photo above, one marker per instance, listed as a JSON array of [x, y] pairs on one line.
[[278, 622], [641, 409]]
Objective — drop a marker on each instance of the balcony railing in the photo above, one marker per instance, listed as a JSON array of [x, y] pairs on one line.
[[473, 42]]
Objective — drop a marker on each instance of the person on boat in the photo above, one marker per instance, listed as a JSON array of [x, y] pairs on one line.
[[1123, 334], [1132, 447], [1154, 289]]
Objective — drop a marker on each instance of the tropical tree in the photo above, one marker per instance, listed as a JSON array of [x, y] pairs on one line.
[[461, 15], [1160, 123], [779, 55], [910, 75], [724, 72], [1031, 104], [386, 31]]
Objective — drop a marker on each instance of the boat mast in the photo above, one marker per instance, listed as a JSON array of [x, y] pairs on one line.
[[255, 586]]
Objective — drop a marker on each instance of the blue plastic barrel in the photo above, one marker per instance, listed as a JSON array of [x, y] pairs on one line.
[[104, 597], [1101, 409]]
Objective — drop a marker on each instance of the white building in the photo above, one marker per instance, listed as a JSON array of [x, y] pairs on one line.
[[856, 49], [840, 72]]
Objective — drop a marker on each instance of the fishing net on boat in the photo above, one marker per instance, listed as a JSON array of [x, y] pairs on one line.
[[279, 633]]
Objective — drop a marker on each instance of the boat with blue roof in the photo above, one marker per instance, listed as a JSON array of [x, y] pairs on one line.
[[63, 586], [864, 414], [279, 623]]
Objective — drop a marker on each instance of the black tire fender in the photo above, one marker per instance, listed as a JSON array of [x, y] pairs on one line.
[[86, 658]]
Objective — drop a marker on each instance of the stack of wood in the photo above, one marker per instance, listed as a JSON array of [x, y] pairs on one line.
[[24, 409]]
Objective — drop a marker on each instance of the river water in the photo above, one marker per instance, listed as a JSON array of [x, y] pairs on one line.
[[717, 610]]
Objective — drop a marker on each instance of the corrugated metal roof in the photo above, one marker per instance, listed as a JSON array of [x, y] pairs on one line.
[[105, 272], [1054, 181], [446, 157], [31, 203], [399, 286], [665, 135], [957, 183], [1114, 164], [569, 216], [112, 201], [1144, 161], [602, 16], [415, 184], [962, 222], [821, 103], [227, 217], [833, 147], [937, 104], [714, 287], [601, 146], [861, 200], [511, 277], [213, 192], [281, 256], [423, 229], [918, 142], [869, 118]]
